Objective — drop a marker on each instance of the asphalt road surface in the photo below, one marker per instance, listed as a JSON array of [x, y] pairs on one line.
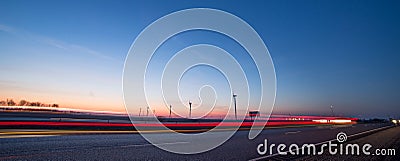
[[381, 141], [134, 147]]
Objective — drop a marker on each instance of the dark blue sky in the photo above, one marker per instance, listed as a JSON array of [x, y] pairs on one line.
[[344, 53]]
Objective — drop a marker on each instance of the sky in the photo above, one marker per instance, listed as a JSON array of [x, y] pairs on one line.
[[343, 53]]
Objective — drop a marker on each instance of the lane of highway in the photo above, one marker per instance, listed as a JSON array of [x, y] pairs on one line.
[[134, 147]]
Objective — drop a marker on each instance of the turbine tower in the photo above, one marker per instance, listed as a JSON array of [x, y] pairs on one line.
[[190, 109], [333, 114], [234, 99], [170, 109]]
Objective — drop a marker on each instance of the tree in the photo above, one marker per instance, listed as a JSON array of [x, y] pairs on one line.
[[23, 103], [11, 103], [35, 104]]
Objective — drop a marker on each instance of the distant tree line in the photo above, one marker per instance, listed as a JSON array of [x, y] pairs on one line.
[[10, 102]]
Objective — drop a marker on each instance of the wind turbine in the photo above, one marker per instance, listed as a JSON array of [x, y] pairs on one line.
[[190, 109], [333, 114], [170, 109], [234, 99]]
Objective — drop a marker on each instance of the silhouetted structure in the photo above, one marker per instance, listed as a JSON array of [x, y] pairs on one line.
[[190, 109], [234, 99], [253, 114], [170, 109]]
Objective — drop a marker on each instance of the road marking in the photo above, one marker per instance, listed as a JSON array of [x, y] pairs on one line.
[[24, 136], [324, 142], [141, 145], [292, 132]]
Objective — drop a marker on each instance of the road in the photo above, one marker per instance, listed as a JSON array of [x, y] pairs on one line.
[[134, 147], [384, 140]]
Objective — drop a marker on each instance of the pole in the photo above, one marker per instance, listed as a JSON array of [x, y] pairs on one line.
[[147, 113], [140, 111]]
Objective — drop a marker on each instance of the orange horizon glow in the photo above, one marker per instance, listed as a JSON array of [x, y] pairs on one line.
[[117, 105]]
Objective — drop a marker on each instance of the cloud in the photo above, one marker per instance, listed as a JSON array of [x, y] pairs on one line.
[[5, 28], [53, 42]]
